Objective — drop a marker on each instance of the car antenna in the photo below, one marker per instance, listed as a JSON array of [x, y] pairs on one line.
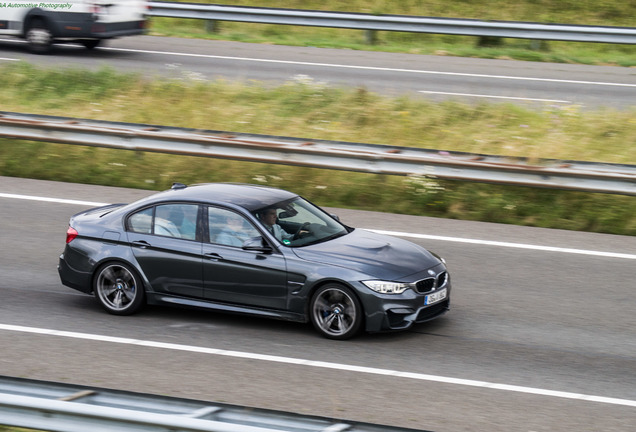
[[177, 185]]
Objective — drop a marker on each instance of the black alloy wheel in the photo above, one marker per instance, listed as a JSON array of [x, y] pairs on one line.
[[119, 289]]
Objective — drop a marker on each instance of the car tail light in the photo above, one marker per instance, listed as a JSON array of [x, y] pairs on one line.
[[71, 233]]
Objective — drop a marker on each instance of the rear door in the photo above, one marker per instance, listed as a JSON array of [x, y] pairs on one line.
[[166, 243]]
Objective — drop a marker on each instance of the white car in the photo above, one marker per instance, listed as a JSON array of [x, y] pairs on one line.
[[82, 21]]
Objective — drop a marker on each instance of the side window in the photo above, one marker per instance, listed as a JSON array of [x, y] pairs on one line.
[[229, 228], [141, 222], [176, 220], [170, 220]]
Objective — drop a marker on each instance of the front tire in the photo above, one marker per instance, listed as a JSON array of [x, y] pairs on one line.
[[336, 312], [118, 289], [39, 37]]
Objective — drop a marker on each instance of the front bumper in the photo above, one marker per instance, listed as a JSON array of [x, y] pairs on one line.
[[402, 316], [388, 312], [399, 319]]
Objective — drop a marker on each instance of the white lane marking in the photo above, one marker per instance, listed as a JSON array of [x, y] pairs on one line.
[[392, 233], [373, 68], [506, 244], [494, 97], [321, 364], [8, 59], [53, 200]]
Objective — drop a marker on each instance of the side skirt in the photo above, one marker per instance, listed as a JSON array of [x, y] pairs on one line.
[[162, 299]]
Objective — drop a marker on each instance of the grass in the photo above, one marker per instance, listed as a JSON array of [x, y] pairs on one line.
[[306, 109], [597, 13]]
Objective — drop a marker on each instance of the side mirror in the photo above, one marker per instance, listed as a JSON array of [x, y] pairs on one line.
[[334, 216], [257, 244]]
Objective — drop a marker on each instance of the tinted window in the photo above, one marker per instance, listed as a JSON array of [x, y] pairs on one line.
[[170, 220], [176, 220], [229, 228], [141, 222]]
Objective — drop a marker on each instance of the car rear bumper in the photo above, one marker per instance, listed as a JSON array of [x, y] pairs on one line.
[[113, 30], [69, 28], [72, 278]]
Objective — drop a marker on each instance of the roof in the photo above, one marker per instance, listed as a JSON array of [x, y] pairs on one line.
[[249, 196]]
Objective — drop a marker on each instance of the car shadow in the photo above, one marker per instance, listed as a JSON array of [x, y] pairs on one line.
[[153, 317]]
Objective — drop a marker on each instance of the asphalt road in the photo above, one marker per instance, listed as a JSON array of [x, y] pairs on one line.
[[541, 335], [435, 77]]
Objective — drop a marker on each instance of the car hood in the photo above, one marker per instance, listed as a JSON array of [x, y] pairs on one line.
[[379, 256]]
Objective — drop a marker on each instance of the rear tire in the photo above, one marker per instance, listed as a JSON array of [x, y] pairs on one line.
[[336, 312], [39, 37], [91, 43], [118, 288]]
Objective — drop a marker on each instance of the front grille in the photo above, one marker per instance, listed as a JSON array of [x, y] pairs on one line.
[[425, 285], [429, 284]]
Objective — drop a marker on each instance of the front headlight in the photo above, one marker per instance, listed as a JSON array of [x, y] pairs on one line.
[[387, 287]]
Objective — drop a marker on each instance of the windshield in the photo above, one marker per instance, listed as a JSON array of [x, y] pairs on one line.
[[298, 222]]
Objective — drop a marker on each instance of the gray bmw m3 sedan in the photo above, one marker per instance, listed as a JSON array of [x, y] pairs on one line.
[[255, 250]]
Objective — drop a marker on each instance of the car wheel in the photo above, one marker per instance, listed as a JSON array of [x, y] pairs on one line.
[[91, 43], [39, 37], [336, 312], [118, 289]]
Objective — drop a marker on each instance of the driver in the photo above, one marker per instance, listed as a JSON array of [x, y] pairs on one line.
[[268, 217]]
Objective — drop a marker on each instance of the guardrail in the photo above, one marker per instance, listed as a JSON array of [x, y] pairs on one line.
[[66, 408], [379, 159], [413, 24]]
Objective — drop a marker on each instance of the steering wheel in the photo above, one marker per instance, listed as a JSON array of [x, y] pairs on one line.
[[302, 227]]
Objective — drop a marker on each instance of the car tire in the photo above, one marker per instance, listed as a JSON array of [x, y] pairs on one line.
[[336, 312], [39, 37], [118, 288], [90, 44]]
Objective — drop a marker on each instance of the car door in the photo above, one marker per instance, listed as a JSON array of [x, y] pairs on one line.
[[166, 242], [237, 276]]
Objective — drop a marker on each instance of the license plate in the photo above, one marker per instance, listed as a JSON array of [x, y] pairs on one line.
[[435, 297]]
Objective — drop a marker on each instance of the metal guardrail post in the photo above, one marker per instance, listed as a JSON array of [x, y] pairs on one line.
[[211, 26], [371, 37]]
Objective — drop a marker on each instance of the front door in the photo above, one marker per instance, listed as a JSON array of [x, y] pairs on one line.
[[237, 276]]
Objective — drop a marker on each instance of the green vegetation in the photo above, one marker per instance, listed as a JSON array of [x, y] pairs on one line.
[[586, 12], [306, 109]]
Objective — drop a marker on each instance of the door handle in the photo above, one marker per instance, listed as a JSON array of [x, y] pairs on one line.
[[141, 244], [213, 256]]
